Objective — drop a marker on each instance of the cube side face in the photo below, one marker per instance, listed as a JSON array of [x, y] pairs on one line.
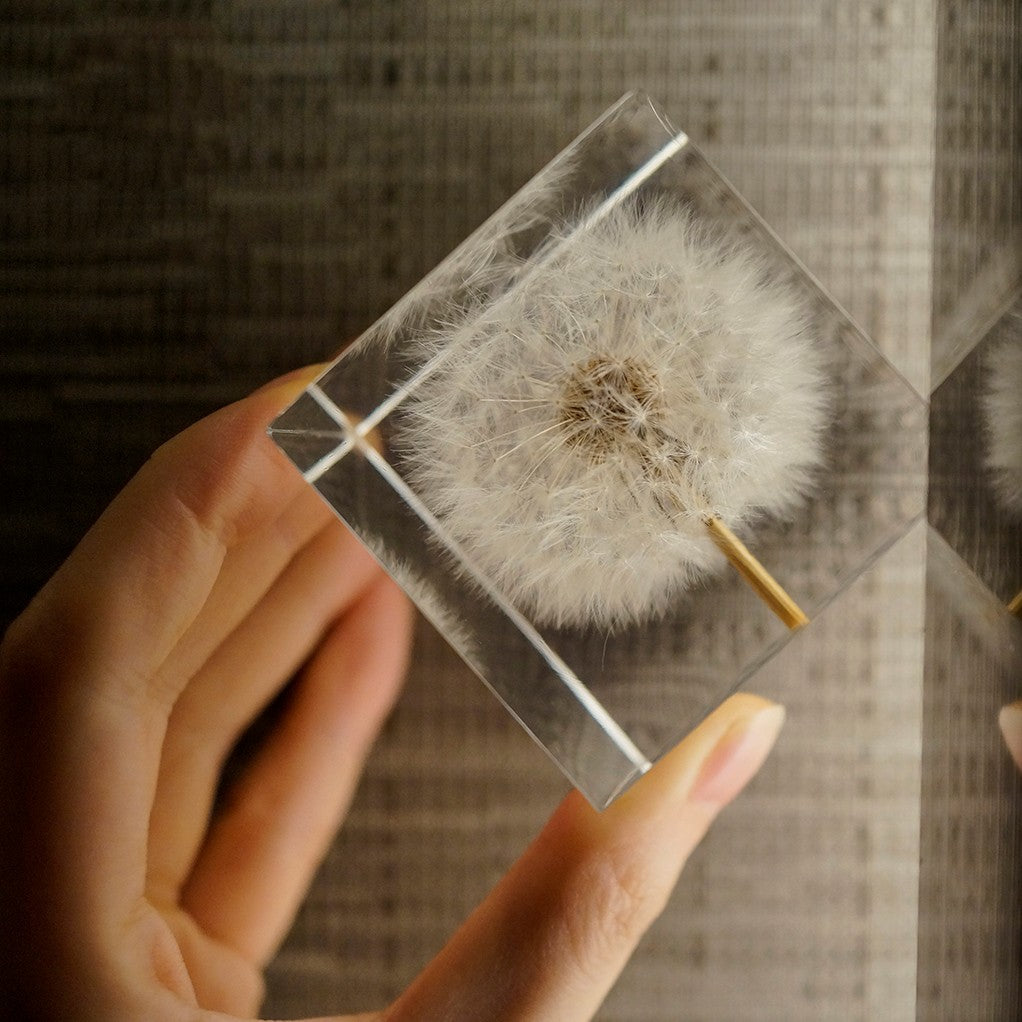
[[546, 616]]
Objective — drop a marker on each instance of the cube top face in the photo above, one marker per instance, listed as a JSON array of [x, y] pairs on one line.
[[536, 439]]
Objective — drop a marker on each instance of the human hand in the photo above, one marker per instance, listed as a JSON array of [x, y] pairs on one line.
[[214, 578]]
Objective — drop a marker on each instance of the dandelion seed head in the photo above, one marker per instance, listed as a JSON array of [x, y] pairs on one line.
[[587, 421]]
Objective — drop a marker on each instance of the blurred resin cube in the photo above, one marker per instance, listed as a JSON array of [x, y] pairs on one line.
[[975, 494]]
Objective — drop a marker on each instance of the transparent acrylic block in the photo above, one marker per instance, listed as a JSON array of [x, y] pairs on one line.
[[538, 438]]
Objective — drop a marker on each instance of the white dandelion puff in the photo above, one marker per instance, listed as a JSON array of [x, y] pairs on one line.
[[1002, 406], [581, 429]]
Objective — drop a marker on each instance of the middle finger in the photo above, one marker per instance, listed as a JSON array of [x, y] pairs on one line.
[[240, 678]]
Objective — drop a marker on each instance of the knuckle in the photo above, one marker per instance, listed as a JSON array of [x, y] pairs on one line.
[[214, 465], [616, 901]]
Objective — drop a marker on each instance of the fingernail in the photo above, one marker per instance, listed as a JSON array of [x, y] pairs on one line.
[[310, 372], [1010, 721], [736, 757], [291, 384]]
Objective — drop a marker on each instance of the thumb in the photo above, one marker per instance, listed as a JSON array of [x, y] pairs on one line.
[[551, 939]]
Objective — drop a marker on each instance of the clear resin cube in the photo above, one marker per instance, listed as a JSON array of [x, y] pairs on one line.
[[618, 447]]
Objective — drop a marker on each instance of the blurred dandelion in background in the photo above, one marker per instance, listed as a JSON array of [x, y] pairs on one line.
[[1002, 405]]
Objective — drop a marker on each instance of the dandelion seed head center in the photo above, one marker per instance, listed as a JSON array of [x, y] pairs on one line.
[[611, 404]]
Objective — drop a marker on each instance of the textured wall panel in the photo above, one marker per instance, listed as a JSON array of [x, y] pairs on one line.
[[198, 195]]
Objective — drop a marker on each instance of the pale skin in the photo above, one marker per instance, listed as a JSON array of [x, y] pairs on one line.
[[212, 580]]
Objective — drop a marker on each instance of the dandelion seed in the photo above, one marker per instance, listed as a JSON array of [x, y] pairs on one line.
[[650, 377]]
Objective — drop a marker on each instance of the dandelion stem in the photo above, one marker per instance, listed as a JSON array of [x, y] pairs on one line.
[[762, 582]]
